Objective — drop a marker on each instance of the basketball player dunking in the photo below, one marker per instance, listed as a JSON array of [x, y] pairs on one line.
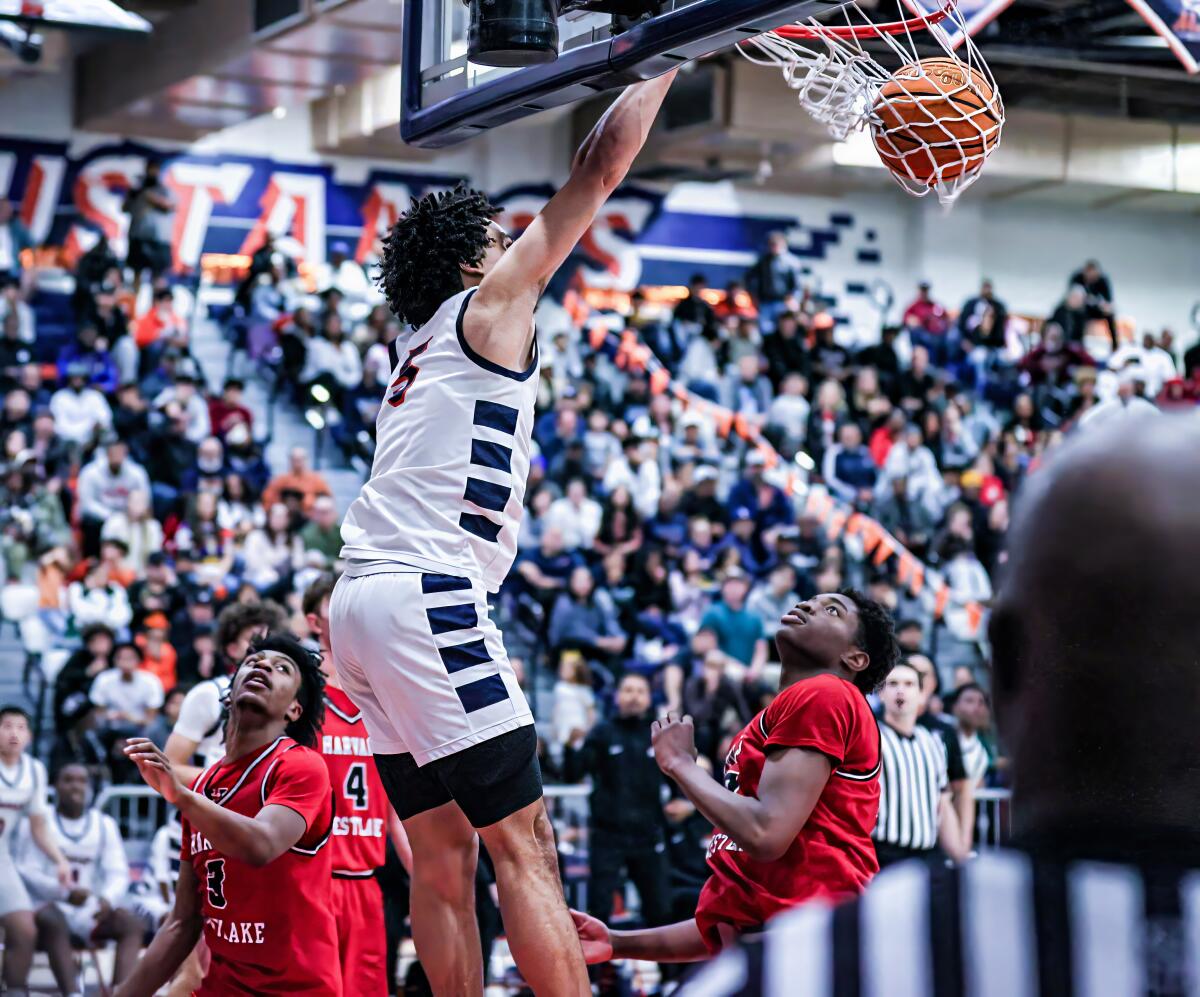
[[434, 530]]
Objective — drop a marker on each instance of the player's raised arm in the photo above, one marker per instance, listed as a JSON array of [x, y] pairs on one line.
[[254, 840], [497, 323], [172, 943], [763, 826]]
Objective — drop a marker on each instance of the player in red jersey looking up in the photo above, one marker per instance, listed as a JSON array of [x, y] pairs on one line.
[[364, 816], [793, 819], [254, 874]]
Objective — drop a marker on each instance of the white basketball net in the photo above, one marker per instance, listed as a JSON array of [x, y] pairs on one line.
[[840, 83]]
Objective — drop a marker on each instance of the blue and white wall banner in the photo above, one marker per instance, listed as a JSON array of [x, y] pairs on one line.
[[1178, 22], [68, 195], [971, 14]]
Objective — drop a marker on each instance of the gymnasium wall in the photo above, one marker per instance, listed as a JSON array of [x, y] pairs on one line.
[[860, 249]]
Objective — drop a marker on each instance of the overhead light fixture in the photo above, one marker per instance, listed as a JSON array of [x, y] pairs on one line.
[[279, 111], [315, 419]]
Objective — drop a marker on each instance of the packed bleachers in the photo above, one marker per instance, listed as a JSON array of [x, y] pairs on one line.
[[702, 461]]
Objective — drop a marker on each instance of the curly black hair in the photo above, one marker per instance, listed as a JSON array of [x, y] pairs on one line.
[[441, 232], [312, 686], [877, 636]]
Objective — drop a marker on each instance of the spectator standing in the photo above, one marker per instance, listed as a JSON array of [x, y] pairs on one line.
[[694, 311], [984, 319], [927, 322], [1098, 296], [626, 823], [915, 814], [90, 908], [774, 282], [1071, 315], [151, 210]]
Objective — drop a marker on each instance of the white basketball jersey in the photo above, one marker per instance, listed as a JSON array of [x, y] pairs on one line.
[[447, 487], [83, 842], [22, 793]]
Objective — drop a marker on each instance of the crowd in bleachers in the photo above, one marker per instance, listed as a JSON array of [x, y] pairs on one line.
[[139, 516]]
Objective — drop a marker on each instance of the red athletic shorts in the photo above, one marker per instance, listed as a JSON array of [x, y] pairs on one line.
[[362, 938]]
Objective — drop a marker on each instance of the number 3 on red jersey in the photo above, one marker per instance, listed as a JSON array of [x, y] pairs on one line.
[[214, 876]]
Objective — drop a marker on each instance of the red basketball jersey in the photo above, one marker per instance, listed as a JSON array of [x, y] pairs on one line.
[[360, 827], [832, 855], [270, 930]]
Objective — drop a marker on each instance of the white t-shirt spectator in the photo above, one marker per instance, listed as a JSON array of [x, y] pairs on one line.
[[133, 694], [77, 415], [200, 719], [579, 524], [975, 757], [143, 538], [196, 408]]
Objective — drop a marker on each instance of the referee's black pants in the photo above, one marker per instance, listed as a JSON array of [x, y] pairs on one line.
[[615, 857], [888, 854]]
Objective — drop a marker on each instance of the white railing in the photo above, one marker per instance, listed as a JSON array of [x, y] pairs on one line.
[[139, 811]]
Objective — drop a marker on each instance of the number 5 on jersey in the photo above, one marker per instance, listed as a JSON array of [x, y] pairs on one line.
[[408, 374]]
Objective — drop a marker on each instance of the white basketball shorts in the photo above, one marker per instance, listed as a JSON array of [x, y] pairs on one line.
[[418, 654]]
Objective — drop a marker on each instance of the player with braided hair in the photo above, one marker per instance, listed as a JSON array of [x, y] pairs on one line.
[[800, 796], [434, 531]]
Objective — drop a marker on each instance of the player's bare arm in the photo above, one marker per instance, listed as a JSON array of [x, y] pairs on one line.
[[679, 942], [254, 840], [498, 323], [171, 945], [950, 832], [791, 784]]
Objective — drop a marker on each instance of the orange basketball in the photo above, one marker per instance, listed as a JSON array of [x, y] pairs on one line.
[[936, 120]]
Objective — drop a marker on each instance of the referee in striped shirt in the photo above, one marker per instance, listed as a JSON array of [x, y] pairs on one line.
[[1097, 689], [915, 811]]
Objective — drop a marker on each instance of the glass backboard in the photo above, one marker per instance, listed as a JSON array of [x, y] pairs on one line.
[[85, 15], [448, 99]]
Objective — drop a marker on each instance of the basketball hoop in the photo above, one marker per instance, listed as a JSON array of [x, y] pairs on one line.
[[934, 121]]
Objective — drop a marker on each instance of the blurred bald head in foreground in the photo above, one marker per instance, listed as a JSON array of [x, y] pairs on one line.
[[1096, 641]]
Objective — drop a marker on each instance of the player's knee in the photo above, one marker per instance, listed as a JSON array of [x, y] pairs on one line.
[[523, 838], [20, 931], [49, 922], [449, 872]]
